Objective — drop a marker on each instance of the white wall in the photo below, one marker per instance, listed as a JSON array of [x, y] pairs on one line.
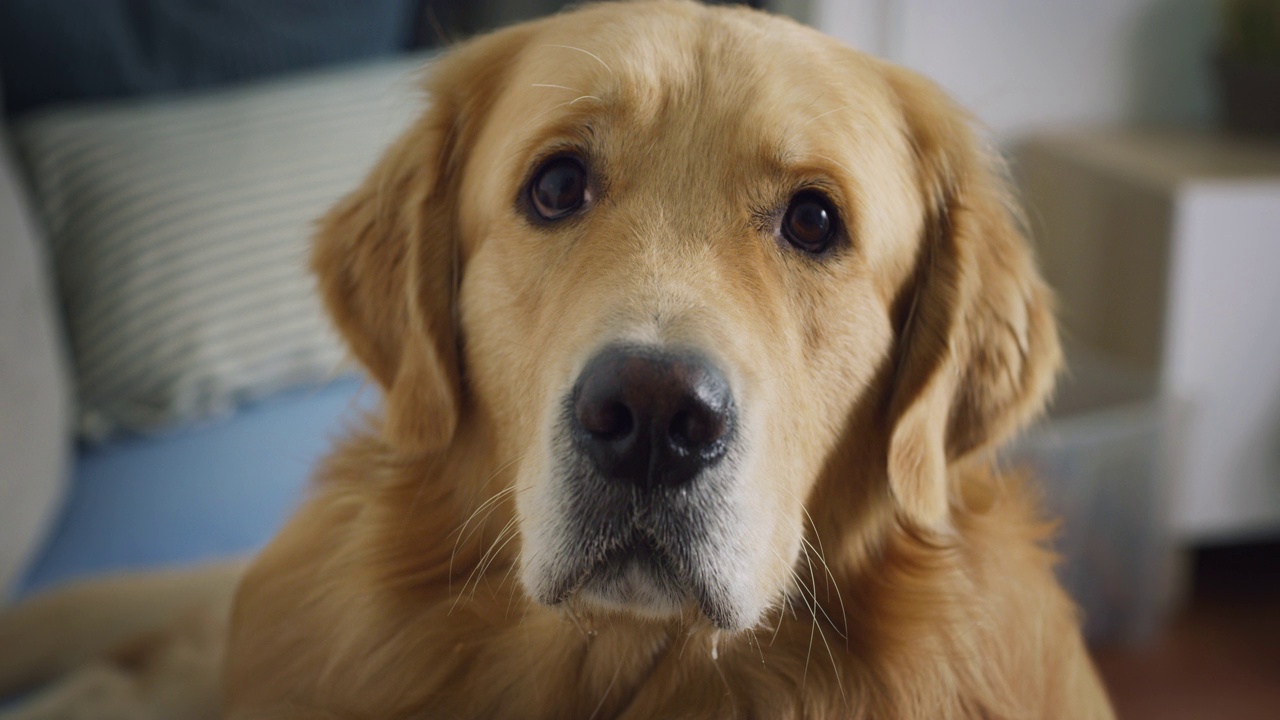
[[1031, 64]]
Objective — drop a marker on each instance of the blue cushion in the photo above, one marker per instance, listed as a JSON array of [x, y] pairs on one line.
[[199, 494]]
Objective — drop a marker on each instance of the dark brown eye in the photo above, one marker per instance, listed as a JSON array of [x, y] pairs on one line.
[[810, 222], [559, 188]]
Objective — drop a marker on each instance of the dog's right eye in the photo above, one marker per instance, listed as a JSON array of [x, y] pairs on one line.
[[559, 188]]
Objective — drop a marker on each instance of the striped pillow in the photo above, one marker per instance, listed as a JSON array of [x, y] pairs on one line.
[[180, 232]]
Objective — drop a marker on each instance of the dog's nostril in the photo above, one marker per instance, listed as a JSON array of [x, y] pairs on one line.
[[608, 420], [697, 427]]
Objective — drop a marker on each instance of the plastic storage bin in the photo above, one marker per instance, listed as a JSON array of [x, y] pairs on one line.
[[1105, 458]]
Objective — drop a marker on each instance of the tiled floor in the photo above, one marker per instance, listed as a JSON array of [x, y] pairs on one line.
[[1219, 658]]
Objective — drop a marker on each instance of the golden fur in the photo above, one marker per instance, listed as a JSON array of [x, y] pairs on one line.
[[898, 576], [921, 589]]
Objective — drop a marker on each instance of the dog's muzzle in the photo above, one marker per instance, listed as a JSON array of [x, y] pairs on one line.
[[645, 511]]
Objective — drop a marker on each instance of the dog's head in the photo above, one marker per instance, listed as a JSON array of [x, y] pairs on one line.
[[674, 260]]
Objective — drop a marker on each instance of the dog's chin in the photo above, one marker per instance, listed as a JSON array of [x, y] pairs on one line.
[[598, 545], [639, 583], [643, 583]]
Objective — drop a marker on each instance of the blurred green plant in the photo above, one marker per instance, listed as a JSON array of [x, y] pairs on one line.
[[1251, 30]]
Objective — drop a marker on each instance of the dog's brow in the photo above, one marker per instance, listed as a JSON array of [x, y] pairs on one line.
[[837, 163]]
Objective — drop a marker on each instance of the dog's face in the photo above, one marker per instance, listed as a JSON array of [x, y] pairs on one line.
[[662, 254], [680, 286]]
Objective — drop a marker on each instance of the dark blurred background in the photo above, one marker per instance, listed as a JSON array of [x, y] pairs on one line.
[[167, 380], [80, 50]]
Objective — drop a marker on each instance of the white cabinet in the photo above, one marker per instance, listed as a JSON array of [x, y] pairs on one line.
[[1165, 251]]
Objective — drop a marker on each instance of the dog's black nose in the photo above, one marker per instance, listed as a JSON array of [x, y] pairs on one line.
[[651, 417]]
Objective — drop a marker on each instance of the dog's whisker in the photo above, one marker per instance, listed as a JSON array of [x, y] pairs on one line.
[[822, 559], [477, 574], [557, 87], [777, 625], [525, 615], [806, 546], [490, 505], [831, 582], [687, 636], [494, 475], [805, 509], [458, 542], [499, 470], [822, 115], [813, 624], [574, 101], [484, 576], [496, 553], [756, 640], [461, 541], [780, 608], [504, 537], [812, 587], [815, 627], [501, 534], [804, 677], [835, 666], [797, 580], [608, 689], [460, 531], [585, 52]]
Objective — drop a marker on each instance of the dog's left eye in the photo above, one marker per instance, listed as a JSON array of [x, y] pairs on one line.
[[810, 222], [559, 188]]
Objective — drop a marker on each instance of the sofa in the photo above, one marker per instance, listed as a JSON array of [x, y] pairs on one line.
[[167, 378]]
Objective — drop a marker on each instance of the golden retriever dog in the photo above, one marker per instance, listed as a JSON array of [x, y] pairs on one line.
[[697, 331]]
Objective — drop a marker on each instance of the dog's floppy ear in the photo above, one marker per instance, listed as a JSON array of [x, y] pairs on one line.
[[387, 256], [978, 346]]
